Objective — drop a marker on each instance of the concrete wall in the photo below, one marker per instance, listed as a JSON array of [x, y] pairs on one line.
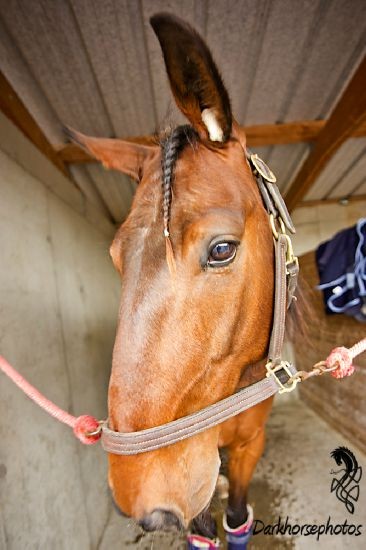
[[59, 298]]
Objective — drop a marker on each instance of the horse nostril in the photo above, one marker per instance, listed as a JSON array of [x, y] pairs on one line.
[[161, 520]]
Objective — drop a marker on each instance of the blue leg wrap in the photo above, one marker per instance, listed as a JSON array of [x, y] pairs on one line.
[[238, 542], [238, 538]]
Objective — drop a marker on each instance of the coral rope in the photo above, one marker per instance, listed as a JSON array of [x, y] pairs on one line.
[[341, 358], [82, 426], [87, 428]]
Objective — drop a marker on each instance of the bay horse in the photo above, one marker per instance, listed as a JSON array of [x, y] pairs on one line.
[[196, 260]]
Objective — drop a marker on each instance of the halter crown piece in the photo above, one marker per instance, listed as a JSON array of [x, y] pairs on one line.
[[281, 375]]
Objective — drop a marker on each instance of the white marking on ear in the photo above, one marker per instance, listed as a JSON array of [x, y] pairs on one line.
[[214, 131]]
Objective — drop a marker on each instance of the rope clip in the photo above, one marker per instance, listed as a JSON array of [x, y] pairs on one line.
[[97, 431], [292, 381]]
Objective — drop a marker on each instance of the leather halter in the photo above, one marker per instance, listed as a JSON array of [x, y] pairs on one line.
[[281, 376]]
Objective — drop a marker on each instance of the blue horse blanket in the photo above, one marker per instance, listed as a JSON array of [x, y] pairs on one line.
[[341, 265]]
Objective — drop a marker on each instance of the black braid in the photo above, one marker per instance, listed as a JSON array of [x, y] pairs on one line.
[[171, 147]]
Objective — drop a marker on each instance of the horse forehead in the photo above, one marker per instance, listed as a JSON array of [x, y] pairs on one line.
[[202, 159], [203, 178], [213, 176]]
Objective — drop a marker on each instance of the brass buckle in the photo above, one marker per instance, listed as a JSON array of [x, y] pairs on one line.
[[262, 168], [292, 381], [275, 231], [290, 256]]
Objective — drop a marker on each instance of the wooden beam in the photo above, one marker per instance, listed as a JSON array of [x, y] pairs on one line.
[[265, 134], [71, 153], [289, 132], [343, 201], [257, 136], [13, 107], [360, 131], [347, 117]]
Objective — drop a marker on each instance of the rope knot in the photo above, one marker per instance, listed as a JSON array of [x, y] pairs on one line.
[[342, 359], [87, 429]]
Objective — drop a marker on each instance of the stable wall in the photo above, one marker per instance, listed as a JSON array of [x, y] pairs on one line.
[[316, 224], [59, 297], [340, 402]]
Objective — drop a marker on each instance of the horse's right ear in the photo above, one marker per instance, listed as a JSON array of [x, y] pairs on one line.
[[194, 78], [128, 156]]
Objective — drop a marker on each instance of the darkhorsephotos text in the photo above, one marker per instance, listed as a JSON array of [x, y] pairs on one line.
[[307, 529]]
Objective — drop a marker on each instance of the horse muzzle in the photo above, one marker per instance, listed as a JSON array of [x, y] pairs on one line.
[[161, 520]]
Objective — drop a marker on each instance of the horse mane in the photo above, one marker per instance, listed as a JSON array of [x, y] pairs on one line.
[[343, 453], [300, 314], [172, 144]]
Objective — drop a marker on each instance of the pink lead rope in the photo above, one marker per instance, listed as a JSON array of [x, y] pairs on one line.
[[88, 429], [343, 357]]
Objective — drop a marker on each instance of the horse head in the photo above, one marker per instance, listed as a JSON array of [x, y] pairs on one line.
[[195, 256], [344, 457]]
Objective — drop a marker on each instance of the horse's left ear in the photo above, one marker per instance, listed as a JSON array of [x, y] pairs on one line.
[[194, 78], [128, 156]]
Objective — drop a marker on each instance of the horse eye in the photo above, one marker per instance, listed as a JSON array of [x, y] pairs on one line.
[[222, 254]]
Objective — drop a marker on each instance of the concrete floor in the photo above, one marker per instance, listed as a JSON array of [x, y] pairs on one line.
[[292, 479]]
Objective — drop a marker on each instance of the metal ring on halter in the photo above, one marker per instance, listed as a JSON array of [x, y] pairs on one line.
[[97, 431], [273, 226], [261, 167], [292, 381]]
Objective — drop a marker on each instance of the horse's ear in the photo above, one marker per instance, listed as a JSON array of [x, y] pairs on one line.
[[127, 156], [194, 78], [238, 133]]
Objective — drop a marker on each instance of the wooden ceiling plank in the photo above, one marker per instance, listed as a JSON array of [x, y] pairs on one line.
[[13, 107], [347, 117]]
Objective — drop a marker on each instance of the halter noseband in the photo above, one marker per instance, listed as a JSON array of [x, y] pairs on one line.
[[281, 375]]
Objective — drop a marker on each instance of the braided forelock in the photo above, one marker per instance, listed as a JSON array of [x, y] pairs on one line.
[[171, 147]]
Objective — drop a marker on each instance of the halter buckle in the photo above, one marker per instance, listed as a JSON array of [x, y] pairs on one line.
[[290, 255], [261, 167], [292, 381], [282, 229]]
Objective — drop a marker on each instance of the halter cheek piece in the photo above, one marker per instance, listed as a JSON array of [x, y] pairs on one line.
[[281, 375]]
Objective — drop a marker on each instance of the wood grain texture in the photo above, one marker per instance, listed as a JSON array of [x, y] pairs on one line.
[[347, 117], [302, 131], [13, 107], [289, 132], [340, 402]]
